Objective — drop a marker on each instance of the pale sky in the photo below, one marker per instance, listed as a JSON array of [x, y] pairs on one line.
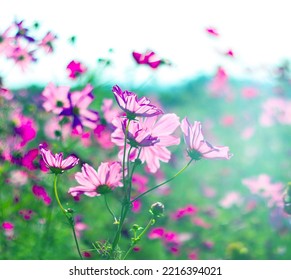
[[257, 31]]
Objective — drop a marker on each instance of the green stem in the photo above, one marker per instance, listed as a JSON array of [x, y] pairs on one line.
[[109, 209], [125, 204], [72, 223], [131, 174], [68, 215], [137, 239], [165, 182], [124, 154], [57, 196]]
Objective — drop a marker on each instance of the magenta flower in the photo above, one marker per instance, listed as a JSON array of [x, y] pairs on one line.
[[212, 31], [56, 98], [25, 127], [149, 58], [56, 163], [94, 183], [75, 69], [197, 147], [40, 193], [78, 109], [132, 106], [7, 225], [152, 136]]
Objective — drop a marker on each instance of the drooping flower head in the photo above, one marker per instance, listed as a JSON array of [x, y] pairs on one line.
[[56, 163], [78, 109], [134, 107], [95, 183], [151, 135], [197, 147]]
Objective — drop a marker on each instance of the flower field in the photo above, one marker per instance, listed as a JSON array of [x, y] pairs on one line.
[[104, 169]]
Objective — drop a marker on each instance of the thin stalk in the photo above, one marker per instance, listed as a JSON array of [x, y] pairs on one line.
[[68, 215], [163, 183], [131, 174], [75, 237], [136, 239], [109, 209], [57, 196], [125, 204]]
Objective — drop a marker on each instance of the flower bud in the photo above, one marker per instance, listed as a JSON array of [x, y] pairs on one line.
[[157, 209]]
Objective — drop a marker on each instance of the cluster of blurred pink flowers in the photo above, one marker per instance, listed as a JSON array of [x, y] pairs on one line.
[[276, 110], [17, 44], [262, 186]]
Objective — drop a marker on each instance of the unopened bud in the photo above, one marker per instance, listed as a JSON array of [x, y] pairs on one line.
[[157, 209]]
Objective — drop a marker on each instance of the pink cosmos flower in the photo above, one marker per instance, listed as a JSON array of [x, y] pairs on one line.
[[56, 98], [229, 53], [231, 199], [152, 136], [276, 110], [6, 40], [79, 226], [262, 185], [248, 132], [22, 57], [40, 193], [56, 163], [47, 42], [193, 255], [30, 160], [132, 106], [78, 109], [53, 129], [7, 225], [137, 135], [75, 69], [149, 58], [136, 206], [8, 229], [197, 147], [102, 134], [249, 92], [5, 93], [25, 127], [26, 214], [201, 222], [18, 178], [140, 182], [188, 210], [109, 112], [228, 120], [94, 183], [157, 233], [219, 85]]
